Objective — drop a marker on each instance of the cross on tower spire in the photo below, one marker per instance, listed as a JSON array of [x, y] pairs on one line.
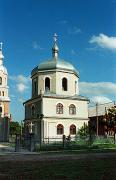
[[55, 48], [55, 37], [1, 44]]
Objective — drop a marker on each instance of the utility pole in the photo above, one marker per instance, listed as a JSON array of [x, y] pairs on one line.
[[97, 121]]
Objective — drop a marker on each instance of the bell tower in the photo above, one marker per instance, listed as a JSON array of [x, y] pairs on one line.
[[4, 97]]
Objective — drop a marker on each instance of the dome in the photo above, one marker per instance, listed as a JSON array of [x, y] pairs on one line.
[[3, 69], [56, 64]]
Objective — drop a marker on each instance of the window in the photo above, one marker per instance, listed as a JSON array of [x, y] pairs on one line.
[[64, 84], [72, 109], [59, 108], [34, 86], [47, 84], [72, 129], [75, 87], [33, 110], [60, 129], [0, 81], [2, 93], [0, 109]]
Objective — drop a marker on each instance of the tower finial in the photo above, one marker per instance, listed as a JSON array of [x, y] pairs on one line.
[[55, 48], [1, 44], [55, 37], [1, 55]]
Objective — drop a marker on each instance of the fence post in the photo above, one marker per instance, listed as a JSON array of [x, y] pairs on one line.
[[64, 139], [48, 140], [114, 138], [18, 143], [32, 145]]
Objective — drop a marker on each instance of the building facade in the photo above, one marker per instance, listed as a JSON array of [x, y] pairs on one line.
[[97, 114], [56, 108], [4, 96], [4, 100]]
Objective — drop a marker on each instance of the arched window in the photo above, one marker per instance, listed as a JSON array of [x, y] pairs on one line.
[[72, 129], [35, 86], [72, 109], [0, 109], [47, 84], [59, 108], [75, 87], [34, 90], [60, 129], [33, 110], [64, 84], [0, 80]]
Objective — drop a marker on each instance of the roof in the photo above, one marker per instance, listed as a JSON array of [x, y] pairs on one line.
[[55, 64], [100, 109], [75, 97], [3, 69], [56, 96]]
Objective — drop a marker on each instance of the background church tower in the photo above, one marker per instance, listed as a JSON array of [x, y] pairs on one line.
[[4, 97]]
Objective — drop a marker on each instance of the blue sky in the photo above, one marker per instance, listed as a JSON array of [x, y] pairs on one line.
[[86, 37]]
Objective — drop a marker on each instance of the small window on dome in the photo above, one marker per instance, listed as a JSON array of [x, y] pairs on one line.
[[64, 84], [0, 80]]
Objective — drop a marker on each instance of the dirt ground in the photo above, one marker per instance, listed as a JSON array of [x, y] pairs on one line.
[[58, 166], [53, 156]]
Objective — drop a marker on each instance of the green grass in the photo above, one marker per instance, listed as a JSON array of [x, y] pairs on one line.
[[82, 169]]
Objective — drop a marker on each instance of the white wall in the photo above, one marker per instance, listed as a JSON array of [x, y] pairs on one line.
[[71, 83], [56, 82], [49, 108], [50, 126]]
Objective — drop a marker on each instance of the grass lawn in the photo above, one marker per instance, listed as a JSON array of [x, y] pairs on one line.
[[87, 168]]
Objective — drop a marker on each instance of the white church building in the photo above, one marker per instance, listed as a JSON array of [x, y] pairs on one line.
[[55, 108], [4, 94]]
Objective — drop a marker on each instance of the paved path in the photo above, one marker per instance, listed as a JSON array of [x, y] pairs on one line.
[[56, 156]]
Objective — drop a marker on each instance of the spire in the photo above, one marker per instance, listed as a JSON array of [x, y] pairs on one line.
[[1, 55], [1, 44], [55, 48]]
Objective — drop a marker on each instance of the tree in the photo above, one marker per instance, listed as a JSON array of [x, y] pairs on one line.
[[83, 131], [15, 128], [87, 132], [110, 121]]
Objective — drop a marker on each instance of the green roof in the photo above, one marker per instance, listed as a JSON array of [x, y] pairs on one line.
[[55, 63]]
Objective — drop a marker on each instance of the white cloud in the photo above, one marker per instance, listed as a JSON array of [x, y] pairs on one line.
[[21, 100], [98, 88], [12, 96], [92, 48], [74, 30], [100, 99], [36, 46], [21, 82], [73, 52], [104, 41], [21, 87], [20, 78]]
